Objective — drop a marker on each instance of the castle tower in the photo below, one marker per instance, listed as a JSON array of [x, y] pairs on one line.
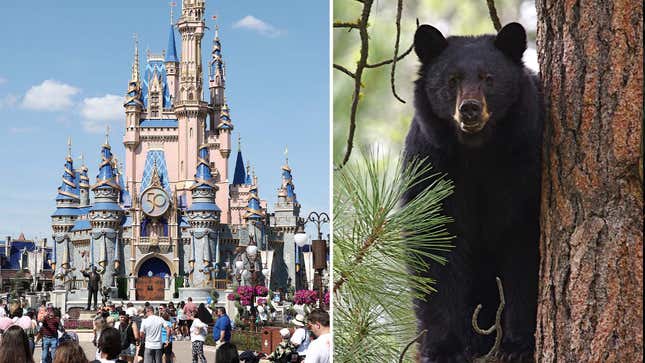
[[287, 212], [191, 26], [133, 108], [204, 218], [105, 216], [67, 203], [190, 110], [216, 80]]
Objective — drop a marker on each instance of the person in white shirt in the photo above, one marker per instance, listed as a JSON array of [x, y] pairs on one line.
[[198, 331], [320, 349], [300, 336], [150, 331], [131, 310]]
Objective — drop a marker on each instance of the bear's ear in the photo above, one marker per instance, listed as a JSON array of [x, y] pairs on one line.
[[428, 42], [511, 40]]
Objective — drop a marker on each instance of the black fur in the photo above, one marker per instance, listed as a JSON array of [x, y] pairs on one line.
[[496, 173]]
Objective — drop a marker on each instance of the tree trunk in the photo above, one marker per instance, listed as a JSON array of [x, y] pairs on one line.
[[590, 305]]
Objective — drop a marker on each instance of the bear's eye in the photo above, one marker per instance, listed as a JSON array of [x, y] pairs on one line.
[[487, 78], [453, 80]]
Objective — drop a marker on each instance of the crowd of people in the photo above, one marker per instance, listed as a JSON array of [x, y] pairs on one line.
[[145, 334]]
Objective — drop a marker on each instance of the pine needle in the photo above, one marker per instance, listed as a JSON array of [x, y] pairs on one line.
[[378, 263]]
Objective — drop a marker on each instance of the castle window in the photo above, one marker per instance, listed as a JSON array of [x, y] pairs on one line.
[[190, 132]]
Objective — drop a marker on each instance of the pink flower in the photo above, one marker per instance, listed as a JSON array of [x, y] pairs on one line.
[[261, 290], [233, 296], [326, 298], [306, 297]]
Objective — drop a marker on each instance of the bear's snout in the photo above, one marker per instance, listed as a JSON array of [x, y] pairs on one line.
[[470, 111]]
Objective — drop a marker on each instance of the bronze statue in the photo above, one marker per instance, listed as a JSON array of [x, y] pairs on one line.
[[93, 282]]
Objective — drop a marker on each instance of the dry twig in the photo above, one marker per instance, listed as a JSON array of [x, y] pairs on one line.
[[490, 356], [493, 14]]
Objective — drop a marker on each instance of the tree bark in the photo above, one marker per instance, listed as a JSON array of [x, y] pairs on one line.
[[590, 304]]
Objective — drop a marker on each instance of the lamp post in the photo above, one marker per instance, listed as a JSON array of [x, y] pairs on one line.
[[319, 247]]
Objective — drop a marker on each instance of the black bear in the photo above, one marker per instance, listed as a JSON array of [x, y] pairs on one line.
[[478, 119]]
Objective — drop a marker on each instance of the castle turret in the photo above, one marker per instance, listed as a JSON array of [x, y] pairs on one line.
[[285, 222], [191, 26], [133, 103], [216, 79], [254, 210], [190, 109], [105, 216], [172, 61], [204, 217], [67, 203]]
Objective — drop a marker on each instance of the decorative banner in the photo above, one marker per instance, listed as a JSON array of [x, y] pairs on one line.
[[309, 268], [267, 256]]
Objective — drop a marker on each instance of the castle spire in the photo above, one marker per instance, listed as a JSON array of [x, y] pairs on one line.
[[68, 191], [239, 176], [84, 184], [107, 135], [172, 5], [69, 146], [135, 63], [171, 52], [216, 73], [286, 155]]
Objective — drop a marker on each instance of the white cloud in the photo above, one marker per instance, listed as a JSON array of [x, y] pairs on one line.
[[22, 130], [8, 101], [99, 111], [252, 23], [50, 96]]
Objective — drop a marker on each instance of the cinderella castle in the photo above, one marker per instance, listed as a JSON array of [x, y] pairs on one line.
[[171, 214]]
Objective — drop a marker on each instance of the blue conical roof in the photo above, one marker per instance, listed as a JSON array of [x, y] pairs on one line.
[[106, 177], [204, 181], [253, 209], [287, 183], [171, 52], [203, 176], [68, 190], [239, 177]]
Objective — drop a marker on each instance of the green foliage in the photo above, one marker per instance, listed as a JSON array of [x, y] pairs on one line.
[[375, 251]]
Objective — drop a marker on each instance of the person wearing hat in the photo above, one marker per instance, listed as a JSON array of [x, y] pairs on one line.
[[301, 336], [285, 350]]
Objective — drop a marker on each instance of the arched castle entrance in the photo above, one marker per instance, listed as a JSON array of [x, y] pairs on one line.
[[150, 271]]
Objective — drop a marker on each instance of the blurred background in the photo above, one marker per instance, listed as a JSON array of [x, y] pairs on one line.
[[381, 119]]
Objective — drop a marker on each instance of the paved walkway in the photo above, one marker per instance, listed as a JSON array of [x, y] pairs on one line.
[[182, 350]]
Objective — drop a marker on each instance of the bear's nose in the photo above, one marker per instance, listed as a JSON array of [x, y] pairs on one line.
[[470, 110]]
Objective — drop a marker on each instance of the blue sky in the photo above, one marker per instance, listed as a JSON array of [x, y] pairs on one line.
[[64, 68]]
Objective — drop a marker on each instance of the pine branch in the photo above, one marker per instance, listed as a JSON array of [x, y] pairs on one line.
[[373, 315]]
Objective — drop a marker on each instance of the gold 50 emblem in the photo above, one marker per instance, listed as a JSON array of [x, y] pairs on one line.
[[154, 202]]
